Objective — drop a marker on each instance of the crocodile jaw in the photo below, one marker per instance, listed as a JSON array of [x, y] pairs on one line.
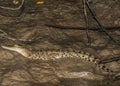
[[19, 50]]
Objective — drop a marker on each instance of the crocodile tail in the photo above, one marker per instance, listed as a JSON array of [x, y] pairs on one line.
[[93, 59]]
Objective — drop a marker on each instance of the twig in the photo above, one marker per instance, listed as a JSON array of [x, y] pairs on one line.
[[86, 22], [56, 26], [8, 8], [4, 35], [108, 60]]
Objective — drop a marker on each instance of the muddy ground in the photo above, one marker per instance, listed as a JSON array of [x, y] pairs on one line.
[[31, 31]]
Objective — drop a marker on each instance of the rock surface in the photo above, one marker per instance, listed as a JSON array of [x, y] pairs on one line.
[[30, 30]]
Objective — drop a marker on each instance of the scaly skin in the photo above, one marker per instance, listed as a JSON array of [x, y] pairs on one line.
[[47, 55]]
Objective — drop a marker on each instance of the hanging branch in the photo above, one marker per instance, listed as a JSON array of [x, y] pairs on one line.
[[101, 28]]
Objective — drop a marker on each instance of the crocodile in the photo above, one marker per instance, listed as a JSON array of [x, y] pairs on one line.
[[51, 55]]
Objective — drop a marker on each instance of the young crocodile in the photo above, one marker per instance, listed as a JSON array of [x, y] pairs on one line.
[[47, 55]]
